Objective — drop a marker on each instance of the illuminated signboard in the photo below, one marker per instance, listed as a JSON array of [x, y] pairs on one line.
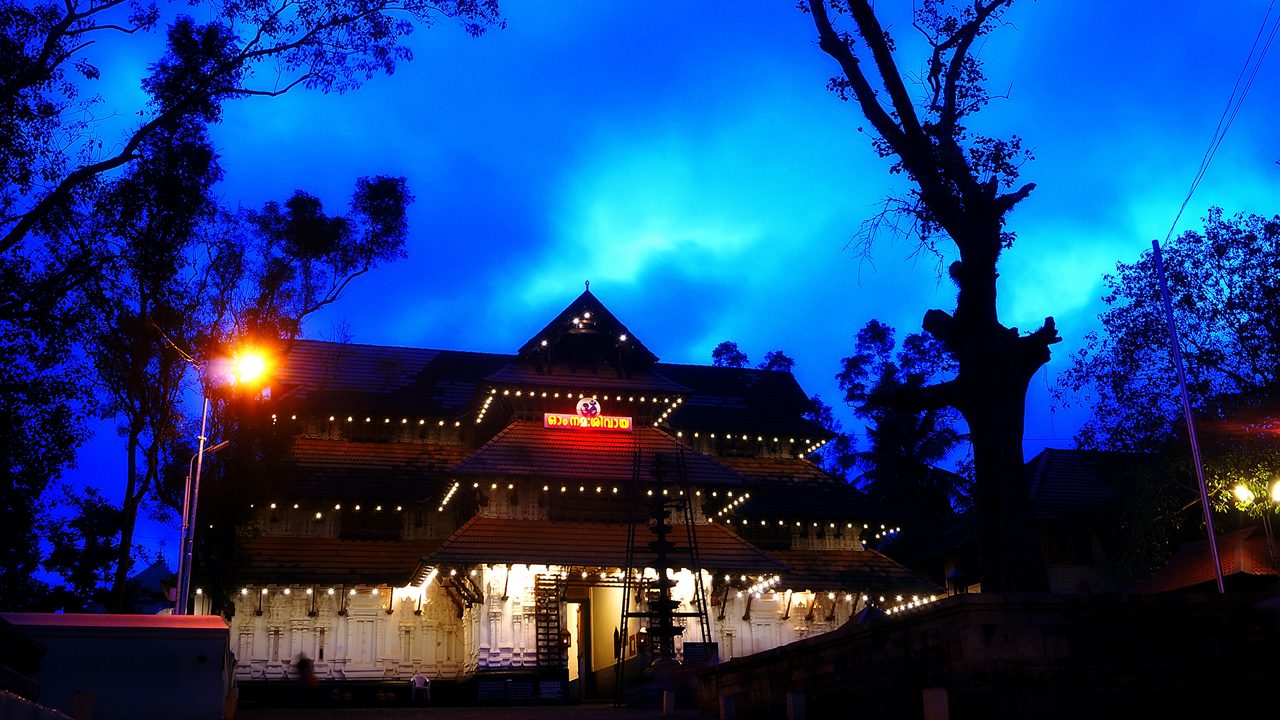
[[588, 416]]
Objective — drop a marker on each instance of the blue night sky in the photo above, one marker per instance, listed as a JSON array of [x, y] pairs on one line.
[[688, 161]]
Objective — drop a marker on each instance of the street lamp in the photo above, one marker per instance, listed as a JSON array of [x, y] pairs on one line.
[[1245, 496], [246, 367]]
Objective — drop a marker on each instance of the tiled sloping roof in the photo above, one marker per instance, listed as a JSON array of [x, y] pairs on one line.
[[813, 499], [849, 570], [776, 468], [336, 469], [527, 448], [522, 374], [1076, 484], [502, 540], [329, 561], [602, 321], [1243, 552], [391, 381], [738, 400]]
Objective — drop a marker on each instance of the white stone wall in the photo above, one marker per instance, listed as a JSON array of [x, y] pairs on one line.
[[744, 624], [375, 633]]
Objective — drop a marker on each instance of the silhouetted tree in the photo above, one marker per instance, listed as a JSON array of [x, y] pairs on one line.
[[41, 424], [54, 162], [49, 55], [963, 188], [151, 304], [777, 360], [188, 279], [83, 548], [727, 354], [902, 468], [1224, 284], [837, 456]]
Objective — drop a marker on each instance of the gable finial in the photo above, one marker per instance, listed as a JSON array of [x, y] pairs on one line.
[[588, 284]]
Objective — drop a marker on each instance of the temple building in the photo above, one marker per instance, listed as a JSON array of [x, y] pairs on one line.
[[536, 525]]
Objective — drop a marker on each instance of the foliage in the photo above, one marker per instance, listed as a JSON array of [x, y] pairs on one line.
[[125, 226], [84, 548], [1224, 287], [963, 186], [777, 361], [52, 59], [150, 303], [727, 354], [179, 298], [901, 468], [837, 455], [41, 424]]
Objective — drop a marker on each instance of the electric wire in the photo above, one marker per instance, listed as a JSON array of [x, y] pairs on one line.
[[1244, 83]]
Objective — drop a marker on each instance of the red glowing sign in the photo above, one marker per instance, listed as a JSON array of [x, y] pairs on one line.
[[588, 417], [599, 422]]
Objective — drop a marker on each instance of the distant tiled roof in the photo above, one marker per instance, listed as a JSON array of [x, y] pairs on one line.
[[1243, 552], [329, 561], [337, 469], [849, 570], [735, 400], [529, 449], [501, 540], [776, 468], [816, 499], [606, 379], [331, 377], [1076, 484]]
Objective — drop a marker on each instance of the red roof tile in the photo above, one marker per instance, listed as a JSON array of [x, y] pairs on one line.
[[529, 449], [335, 469], [741, 400], [502, 540], [1243, 552], [331, 377], [605, 380], [849, 570], [329, 561], [130, 622], [780, 468]]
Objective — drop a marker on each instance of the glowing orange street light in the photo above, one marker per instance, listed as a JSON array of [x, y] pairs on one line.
[[247, 367]]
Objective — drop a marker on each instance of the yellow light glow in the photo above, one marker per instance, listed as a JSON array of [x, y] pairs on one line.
[[249, 366], [1275, 491], [1243, 494]]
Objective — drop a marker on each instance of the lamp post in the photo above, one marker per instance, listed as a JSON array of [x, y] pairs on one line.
[[245, 367]]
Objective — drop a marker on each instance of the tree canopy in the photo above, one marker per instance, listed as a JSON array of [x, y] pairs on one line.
[[1224, 285], [50, 155], [963, 187], [903, 465], [118, 269]]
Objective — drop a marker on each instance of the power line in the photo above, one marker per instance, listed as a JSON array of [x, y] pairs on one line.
[[1244, 83]]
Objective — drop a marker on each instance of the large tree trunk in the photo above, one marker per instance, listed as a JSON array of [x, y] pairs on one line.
[[1010, 550], [132, 496], [967, 196], [996, 366]]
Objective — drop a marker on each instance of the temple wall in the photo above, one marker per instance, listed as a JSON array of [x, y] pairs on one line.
[[506, 637], [390, 633], [375, 633], [743, 624]]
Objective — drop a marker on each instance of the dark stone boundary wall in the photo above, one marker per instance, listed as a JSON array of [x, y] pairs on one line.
[[998, 656], [13, 707]]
